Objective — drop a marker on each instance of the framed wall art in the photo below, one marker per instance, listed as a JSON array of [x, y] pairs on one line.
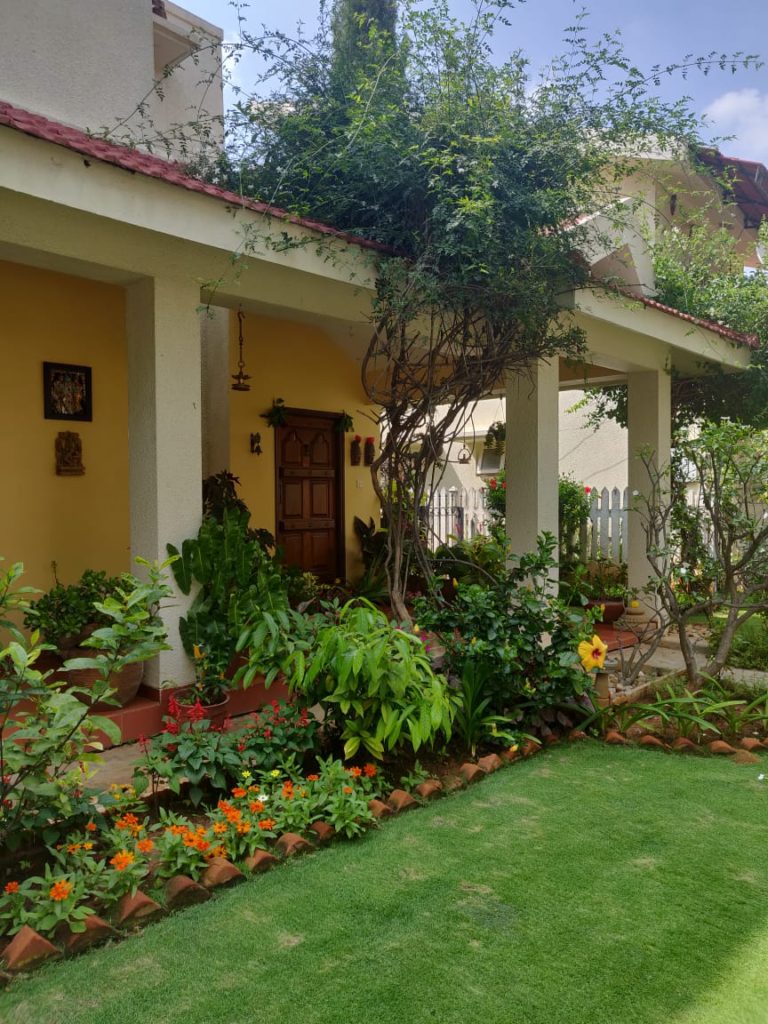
[[67, 392]]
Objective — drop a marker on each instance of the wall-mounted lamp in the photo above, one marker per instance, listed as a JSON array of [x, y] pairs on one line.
[[464, 456], [240, 378], [255, 444]]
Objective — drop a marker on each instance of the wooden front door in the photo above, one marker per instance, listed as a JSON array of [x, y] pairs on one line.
[[309, 465]]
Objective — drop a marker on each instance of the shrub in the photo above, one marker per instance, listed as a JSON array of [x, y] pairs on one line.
[[375, 682], [64, 614], [211, 759], [44, 771], [498, 630]]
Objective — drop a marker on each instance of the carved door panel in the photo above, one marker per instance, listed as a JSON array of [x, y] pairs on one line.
[[309, 496]]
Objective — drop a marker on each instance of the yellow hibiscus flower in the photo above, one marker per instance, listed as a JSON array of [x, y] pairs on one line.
[[592, 653]]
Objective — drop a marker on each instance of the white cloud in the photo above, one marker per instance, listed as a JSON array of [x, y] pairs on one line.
[[742, 113]]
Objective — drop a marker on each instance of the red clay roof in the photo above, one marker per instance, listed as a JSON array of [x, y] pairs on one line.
[[750, 340], [748, 178], [154, 167]]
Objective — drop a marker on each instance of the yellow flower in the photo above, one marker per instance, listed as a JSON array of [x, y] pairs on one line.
[[634, 604], [416, 628], [473, 640], [197, 652], [455, 583], [246, 774], [592, 653], [275, 773]]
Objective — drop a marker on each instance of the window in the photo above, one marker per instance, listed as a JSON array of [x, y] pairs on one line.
[[491, 461]]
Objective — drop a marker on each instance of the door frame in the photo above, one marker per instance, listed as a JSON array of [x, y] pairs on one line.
[[339, 449]]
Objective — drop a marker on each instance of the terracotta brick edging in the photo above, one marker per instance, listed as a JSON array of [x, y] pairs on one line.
[[28, 949]]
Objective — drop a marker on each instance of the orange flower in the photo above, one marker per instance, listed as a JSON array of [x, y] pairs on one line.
[[145, 846], [233, 816], [73, 847], [256, 806], [312, 778], [348, 789], [190, 840], [355, 772], [217, 851], [370, 771], [201, 844], [219, 828], [266, 824], [238, 792], [178, 830], [60, 890], [244, 828], [224, 805], [11, 887], [91, 826], [129, 821], [87, 846], [122, 860]]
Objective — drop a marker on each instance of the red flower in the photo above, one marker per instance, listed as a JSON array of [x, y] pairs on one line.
[[174, 708], [11, 887], [172, 728], [587, 490], [267, 733], [492, 483], [196, 713]]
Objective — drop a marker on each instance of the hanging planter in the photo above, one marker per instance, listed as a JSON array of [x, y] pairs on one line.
[[275, 416], [356, 451]]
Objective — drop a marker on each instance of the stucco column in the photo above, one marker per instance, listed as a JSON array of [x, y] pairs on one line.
[[165, 463], [649, 421], [532, 456], [214, 347]]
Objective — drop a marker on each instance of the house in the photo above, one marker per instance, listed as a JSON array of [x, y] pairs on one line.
[[108, 253], [600, 457]]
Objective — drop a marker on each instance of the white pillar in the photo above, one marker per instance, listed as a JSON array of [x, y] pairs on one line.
[[532, 456], [216, 380], [649, 422], [165, 465]]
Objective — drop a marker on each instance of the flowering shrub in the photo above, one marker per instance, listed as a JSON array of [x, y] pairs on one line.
[[210, 758], [45, 903], [496, 496]]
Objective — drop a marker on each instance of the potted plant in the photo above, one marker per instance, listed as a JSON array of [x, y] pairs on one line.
[[603, 586], [67, 616], [237, 582], [211, 687]]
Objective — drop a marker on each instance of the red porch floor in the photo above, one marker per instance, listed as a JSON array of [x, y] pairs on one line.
[[615, 638]]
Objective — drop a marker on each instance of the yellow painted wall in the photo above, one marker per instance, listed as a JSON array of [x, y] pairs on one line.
[[80, 522], [301, 365]]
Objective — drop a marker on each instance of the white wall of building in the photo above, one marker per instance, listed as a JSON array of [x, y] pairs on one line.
[[90, 63]]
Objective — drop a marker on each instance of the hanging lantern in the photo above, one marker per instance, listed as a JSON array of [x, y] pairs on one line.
[[240, 378]]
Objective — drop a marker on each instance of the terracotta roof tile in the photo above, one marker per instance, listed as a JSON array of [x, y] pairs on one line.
[[139, 162], [750, 340]]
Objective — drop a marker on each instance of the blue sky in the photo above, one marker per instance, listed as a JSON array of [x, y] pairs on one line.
[[654, 32]]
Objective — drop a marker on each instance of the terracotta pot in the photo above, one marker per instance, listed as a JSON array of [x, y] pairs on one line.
[[214, 713], [125, 683], [613, 609]]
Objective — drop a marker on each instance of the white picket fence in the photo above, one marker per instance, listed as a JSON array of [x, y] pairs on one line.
[[604, 535], [455, 513]]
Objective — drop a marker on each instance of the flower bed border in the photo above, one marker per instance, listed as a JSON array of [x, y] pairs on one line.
[[28, 949]]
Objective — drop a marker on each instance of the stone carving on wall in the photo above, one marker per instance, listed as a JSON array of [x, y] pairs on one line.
[[69, 454]]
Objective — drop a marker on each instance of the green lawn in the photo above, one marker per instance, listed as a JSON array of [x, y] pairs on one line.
[[589, 885]]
